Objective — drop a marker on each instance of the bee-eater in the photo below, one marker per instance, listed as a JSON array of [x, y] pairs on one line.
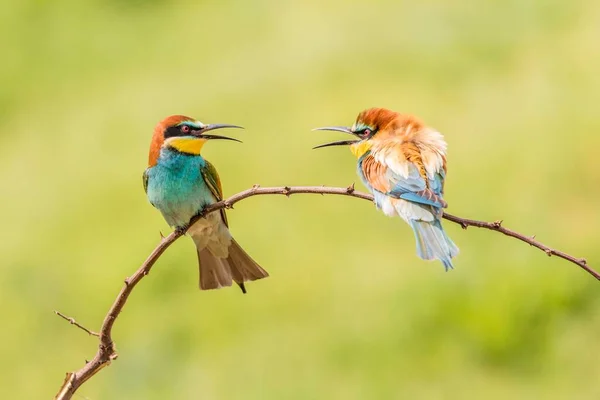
[[180, 183], [403, 163]]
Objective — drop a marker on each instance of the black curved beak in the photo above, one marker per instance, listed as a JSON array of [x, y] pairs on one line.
[[211, 127], [344, 129]]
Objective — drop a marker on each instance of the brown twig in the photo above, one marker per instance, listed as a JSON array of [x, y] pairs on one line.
[[497, 226], [73, 322], [106, 349]]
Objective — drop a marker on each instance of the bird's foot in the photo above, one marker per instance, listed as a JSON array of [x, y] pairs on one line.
[[181, 230]]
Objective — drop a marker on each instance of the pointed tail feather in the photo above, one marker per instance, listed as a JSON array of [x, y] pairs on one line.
[[214, 271], [433, 242], [243, 267]]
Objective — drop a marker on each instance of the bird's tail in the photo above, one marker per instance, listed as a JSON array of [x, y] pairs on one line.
[[432, 242], [217, 272], [243, 267]]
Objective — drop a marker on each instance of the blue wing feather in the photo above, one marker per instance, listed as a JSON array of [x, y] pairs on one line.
[[400, 185], [416, 198], [415, 189]]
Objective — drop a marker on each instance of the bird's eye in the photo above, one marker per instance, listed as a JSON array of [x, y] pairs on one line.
[[185, 128], [366, 132]]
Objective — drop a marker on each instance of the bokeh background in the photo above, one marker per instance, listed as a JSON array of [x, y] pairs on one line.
[[349, 311]]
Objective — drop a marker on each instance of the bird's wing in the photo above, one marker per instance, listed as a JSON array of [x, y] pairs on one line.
[[145, 181], [211, 177], [408, 184]]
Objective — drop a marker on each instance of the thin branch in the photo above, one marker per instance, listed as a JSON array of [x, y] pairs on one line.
[[497, 226], [73, 322], [106, 349]]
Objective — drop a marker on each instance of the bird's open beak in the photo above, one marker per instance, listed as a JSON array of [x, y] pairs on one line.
[[210, 127], [337, 129]]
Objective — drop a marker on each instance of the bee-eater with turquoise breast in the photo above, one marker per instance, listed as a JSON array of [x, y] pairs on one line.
[[181, 183], [403, 163]]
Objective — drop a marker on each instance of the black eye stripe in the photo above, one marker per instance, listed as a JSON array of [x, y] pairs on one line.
[[177, 130], [172, 131]]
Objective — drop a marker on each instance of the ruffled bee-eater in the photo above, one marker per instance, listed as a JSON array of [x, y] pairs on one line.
[[403, 163], [180, 183]]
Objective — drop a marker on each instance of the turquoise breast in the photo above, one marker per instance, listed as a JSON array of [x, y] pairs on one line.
[[176, 186]]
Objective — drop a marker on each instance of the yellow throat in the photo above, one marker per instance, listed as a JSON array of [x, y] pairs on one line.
[[187, 145], [360, 148]]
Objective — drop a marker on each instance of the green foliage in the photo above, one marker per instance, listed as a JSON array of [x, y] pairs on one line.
[[349, 311]]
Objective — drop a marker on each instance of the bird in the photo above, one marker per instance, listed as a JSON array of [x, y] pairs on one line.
[[180, 183], [402, 162]]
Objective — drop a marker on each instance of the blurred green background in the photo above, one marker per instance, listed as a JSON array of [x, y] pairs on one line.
[[349, 311]]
